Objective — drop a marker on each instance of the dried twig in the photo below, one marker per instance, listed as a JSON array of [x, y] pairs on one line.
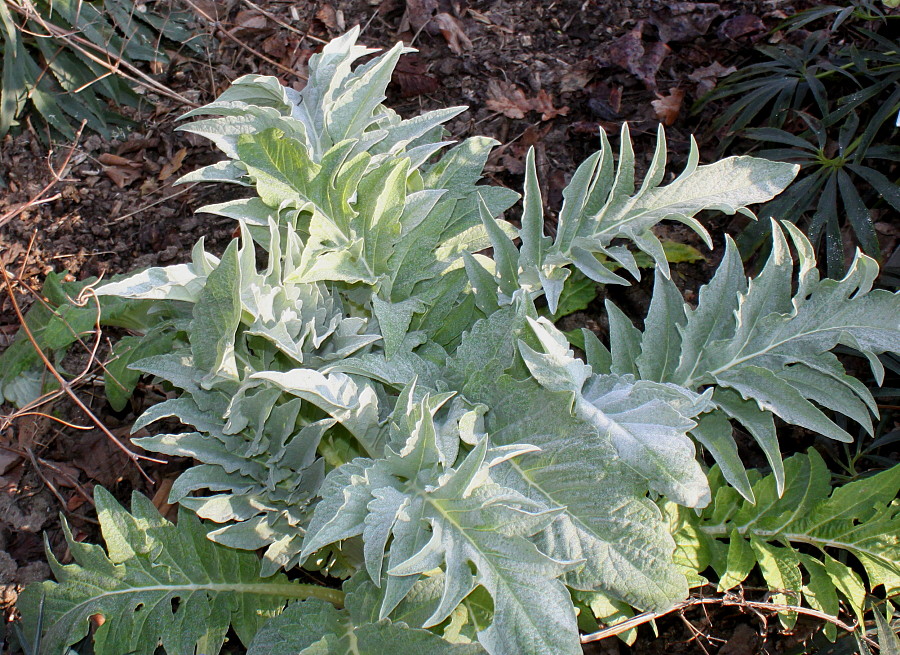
[[57, 176], [44, 478], [64, 384], [90, 350], [726, 601], [152, 204], [50, 465], [221, 28], [269, 14]]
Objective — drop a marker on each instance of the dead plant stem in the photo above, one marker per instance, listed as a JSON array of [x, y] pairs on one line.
[[726, 601], [134, 457]]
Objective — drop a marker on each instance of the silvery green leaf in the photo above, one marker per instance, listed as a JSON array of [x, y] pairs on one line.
[[775, 394], [830, 312], [395, 372], [505, 253], [298, 627], [250, 210], [759, 423], [766, 349], [405, 132], [461, 167], [280, 166], [185, 409], [384, 510], [507, 565], [452, 517], [608, 523], [205, 449], [600, 207], [313, 627], [177, 282], [597, 355], [646, 422], [487, 350], [649, 433], [624, 342], [258, 90], [354, 405], [534, 243], [226, 130], [714, 432], [556, 368], [217, 315], [712, 320], [352, 111], [483, 281], [228, 171], [159, 584], [661, 342]]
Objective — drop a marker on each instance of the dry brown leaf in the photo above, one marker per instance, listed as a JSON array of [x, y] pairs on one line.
[[122, 176], [684, 21], [629, 52], [412, 76], [453, 31], [8, 460], [706, 77], [577, 77], [668, 107], [275, 46], [249, 19], [511, 101], [109, 159], [332, 18], [172, 165], [418, 14], [544, 104], [743, 25], [508, 99]]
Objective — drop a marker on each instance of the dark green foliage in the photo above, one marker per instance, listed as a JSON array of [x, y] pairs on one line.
[[156, 584], [830, 105], [52, 54]]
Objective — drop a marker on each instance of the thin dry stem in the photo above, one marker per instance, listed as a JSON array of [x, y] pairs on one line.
[[221, 28], [57, 177], [88, 48], [64, 384], [728, 600]]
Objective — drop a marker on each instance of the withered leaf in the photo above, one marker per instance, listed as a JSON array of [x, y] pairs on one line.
[[668, 107], [411, 75], [706, 77], [743, 25], [544, 104], [628, 52], [171, 166], [452, 30], [683, 21], [511, 101], [508, 99]]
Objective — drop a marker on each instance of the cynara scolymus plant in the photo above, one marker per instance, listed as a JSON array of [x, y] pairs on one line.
[[379, 402]]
